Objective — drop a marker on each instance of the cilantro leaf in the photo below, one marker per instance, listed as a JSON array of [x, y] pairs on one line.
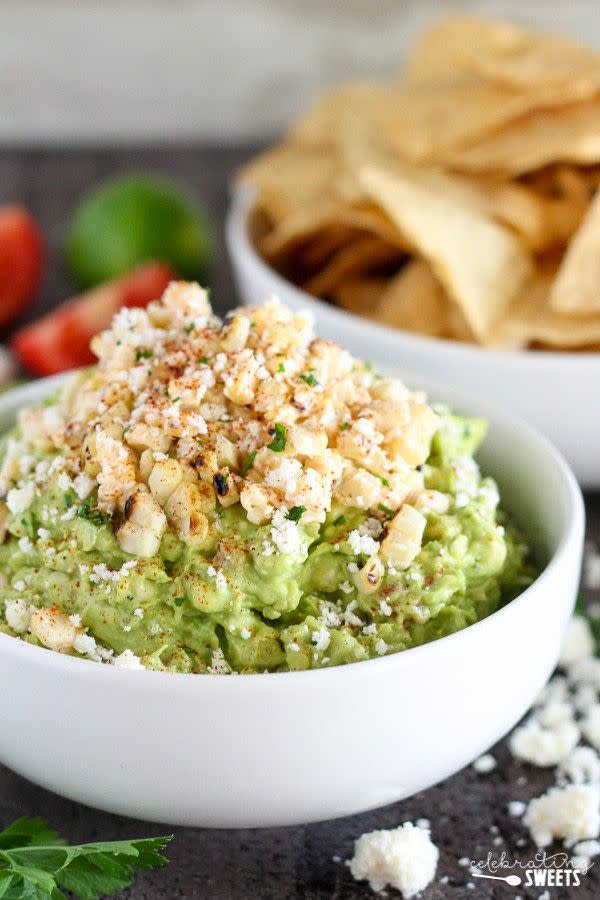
[[309, 379], [88, 510], [35, 863], [385, 509], [279, 440], [295, 513], [248, 463]]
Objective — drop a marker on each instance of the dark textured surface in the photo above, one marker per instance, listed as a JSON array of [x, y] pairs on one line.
[[467, 812]]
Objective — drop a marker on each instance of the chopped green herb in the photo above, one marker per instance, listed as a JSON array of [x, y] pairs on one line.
[[309, 379], [279, 440], [176, 399], [189, 328], [340, 520], [68, 500], [203, 360], [89, 511], [179, 601], [385, 509], [295, 513], [247, 464], [344, 426], [143, 354], [281, 367], [36, 863]]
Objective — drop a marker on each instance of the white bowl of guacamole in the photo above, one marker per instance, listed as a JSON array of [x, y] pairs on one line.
[[342, 616]]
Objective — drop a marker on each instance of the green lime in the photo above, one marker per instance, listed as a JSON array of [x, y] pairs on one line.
[[128, 220]]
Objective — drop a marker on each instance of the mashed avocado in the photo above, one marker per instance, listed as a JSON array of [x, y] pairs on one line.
[[207, 527]]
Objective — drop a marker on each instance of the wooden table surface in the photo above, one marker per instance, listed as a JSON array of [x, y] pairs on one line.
[[467, 812]]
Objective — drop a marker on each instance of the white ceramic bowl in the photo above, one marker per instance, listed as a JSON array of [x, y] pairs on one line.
[[555, 392], [280, 749]]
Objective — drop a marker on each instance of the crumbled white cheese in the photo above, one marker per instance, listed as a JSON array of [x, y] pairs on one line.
[[585, 671], [18, 615], [543, 746], [362, 543], [128, 660], [218, 663], [582, 766], [26, 546], [404, 858], [86, 646], [83, 485], [484, 764], [20, 499], [139, 612], [321, 638], [245, 633], [516, 808], [381, 648], [578, 643], [571, 813]]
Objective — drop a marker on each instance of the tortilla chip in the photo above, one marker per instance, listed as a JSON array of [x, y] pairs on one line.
[[576, 288], [362, 256], [532, 320], [360, 295], [504, 53], [414, 300], [480, 264], [571, 134]]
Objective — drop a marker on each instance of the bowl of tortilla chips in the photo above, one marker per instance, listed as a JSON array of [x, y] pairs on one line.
[[449, 220]]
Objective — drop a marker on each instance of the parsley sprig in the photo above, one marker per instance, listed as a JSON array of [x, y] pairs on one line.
[[279, 438], [38, 864], [88, 509]]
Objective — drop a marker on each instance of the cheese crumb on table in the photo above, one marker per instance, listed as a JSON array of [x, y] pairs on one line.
[[571, 813], [484, 764], [404, 858]]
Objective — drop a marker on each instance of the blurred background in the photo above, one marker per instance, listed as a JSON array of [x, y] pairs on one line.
[[132, 71]]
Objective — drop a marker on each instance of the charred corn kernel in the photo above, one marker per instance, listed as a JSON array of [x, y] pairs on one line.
[[53, 629], [225, 488], [206, 500], [329, 463], [405, 534], [198, 530], [142, 509], [139, 541], [359, 488], [164, 478], [433, 501], [413, 442], [305, 441], [256, 500], [91, 465], [142, 436], [185, 503], [206, 465], [361, 447], [226, 452], [236, 334], [368, 579], [146, 464]]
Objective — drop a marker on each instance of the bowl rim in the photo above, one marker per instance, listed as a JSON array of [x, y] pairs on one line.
[[570, 541], [239, 243]]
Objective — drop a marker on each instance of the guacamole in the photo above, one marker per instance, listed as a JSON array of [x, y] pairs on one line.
[[239, 496]]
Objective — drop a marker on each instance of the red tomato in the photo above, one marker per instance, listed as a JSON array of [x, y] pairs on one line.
[[60, 340], [21, 262]]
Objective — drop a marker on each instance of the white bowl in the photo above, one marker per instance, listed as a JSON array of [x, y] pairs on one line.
[[555, 392], [281, 749]]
